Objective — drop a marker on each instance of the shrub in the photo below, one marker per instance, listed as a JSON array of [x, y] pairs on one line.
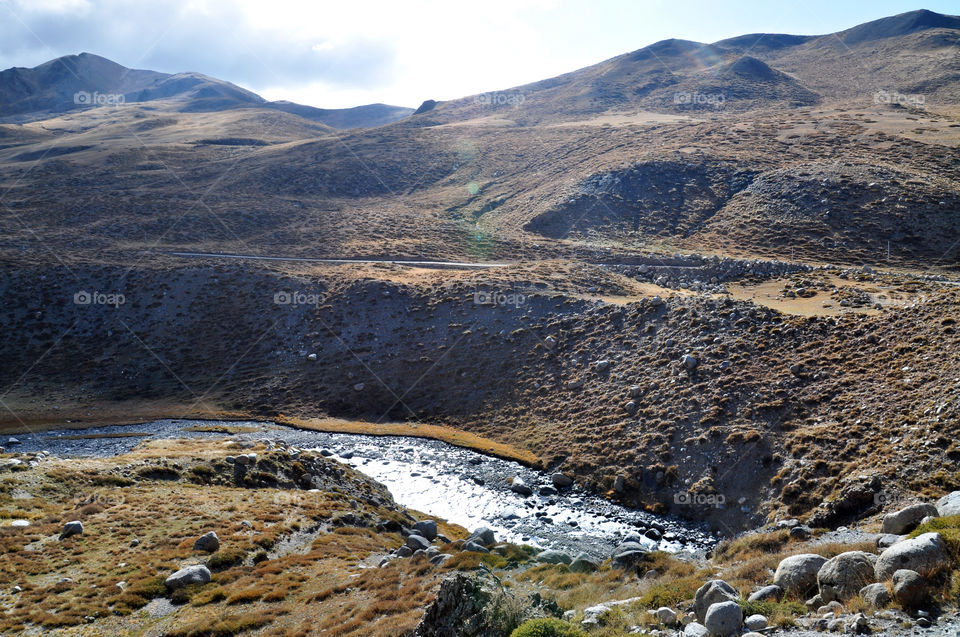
[[549, 627]]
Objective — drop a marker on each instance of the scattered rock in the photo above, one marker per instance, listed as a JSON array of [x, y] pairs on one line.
[[208, 542], [554, 557], [755, 622], [766, 594], [694, 629], [907, 519], [925, 553], [483, 536], [876, 595], [949, 504], [470, 545], [519, 487], [909, 588], [797, 574], [689, 362], [561, 480], [724, 618], [888, 539], [74, 527], [427, 529], [801, 532], [713, 592], [583, 564], [197, 574], [667, 616], [418, 542], [842, 577]]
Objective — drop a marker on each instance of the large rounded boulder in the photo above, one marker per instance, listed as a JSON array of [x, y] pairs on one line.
[[907, 519], [713, 592], [724, 618], [924, 553], [797, 574], [842, 577]]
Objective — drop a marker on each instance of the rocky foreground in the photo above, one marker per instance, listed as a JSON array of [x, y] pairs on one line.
[[223, 537]]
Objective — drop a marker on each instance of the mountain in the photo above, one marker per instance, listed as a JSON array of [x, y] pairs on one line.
[[912, 52], [86, 80]]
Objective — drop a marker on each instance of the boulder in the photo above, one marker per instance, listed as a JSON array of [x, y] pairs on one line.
[[888, 539], [876, 595], [842, 577], [907, 519], [666, 615], [554, 557], [801, 532], [584, 564], [909, 588], [628, 554], [470, 545], [797, 574], [770, 593], [197, 574], [561, 480], [520, 487], [689, 362], [74, 527], [418, 542], [483, 536], [694, 629], [949, 504], [427, 529], [755, 623], [923, 553], [713, 592], [724, 618], [208, 542]]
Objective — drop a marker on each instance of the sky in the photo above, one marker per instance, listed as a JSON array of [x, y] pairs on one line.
[[345, 53]]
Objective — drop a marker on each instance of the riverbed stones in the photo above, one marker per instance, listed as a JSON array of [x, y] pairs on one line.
[[908, 518], [520, 487], [924, 553], [196, 574], [208, 542], [797, 574], [484, 536], [427, 529], [561, 480], [842, 577], [554, 557], [876, 595], [909, 588], [949, 504], [724, 618], [713, 592], [74, 527]]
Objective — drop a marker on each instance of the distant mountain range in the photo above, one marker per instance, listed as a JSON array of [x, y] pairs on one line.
[[86, 80]]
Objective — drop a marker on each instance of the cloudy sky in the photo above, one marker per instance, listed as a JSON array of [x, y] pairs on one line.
[[337, 54]]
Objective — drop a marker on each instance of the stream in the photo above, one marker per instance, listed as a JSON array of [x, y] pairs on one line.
[[459, 485]]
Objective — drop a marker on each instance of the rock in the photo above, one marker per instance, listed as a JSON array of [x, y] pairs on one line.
[[949, 504], [474, 546], [713, 592], [440, 558], [548, 491], [924, 622], [888, 539], [483, 536], [418, 542], [693, 629], [427, 529], [208, 542], [667, 615], [755, 622], [876, 595], [74, 527], [858, 624], [197, 574], [602, 366], [801, 532], [561, 480], [619, 484], [797, 574], [724, 618], [20, 523], [583, 564], [12, 442], [925, 553], [519, 487], [405, 551], [689, 362], [907, 519], [909, 588], [814, 602], [628, 554], [842, 577], [554, 557], [766, 594], [311, 357]]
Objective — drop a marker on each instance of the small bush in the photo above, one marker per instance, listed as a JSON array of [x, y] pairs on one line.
[[548, 627], [225, 558]]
